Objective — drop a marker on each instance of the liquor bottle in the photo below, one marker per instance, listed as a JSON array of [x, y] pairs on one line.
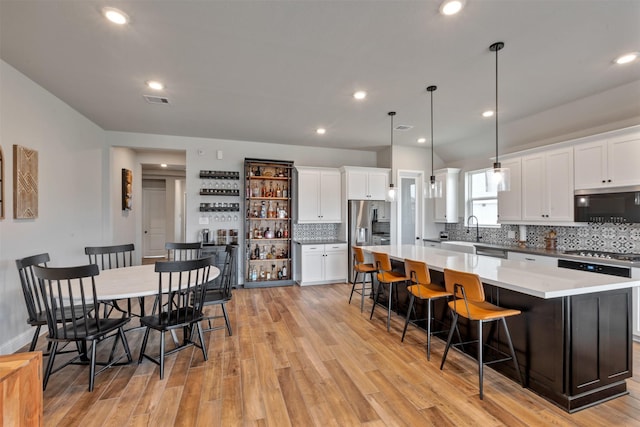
[[256, 232], [269, 191], [278, 191], [256, 252], [279, 274], [263, 210], [256, 190], [271, 213], [263, 253], [262, 274], [285, 233], [284, 270], [279, 232]]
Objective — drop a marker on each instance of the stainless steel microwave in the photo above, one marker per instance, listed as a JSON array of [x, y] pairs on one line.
[[619, 205]]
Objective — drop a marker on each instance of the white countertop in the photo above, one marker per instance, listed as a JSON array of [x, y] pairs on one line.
[[520, 276]]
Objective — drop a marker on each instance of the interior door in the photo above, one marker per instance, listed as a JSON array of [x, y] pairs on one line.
[[154, 222], [410, 208]]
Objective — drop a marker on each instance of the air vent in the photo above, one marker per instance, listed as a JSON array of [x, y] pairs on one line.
[[156, 99], [403, 127]]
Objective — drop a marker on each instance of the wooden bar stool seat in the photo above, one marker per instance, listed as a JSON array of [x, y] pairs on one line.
[[359, 267], [386, 275], [469, 302], [424, 290]]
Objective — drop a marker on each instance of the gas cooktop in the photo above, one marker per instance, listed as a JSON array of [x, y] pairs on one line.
[[606, 255]]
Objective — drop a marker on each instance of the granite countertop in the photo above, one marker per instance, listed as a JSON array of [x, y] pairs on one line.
[[541, 281], [319, 242]]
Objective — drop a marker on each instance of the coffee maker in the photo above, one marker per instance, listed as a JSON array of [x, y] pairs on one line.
[[205, 235]]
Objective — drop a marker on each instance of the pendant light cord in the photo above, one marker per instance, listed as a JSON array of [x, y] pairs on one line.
[[495, 48], [392, 113], [431, 89]]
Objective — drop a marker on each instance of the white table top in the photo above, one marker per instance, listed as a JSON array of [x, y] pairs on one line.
[[132, 282], [528, 278]]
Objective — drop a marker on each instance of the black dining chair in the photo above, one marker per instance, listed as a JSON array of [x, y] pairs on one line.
[[109, 257], [73, 289], [183, 283], [219, 290], [177, 251]]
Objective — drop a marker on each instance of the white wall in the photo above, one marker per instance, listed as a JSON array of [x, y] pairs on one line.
[[71, 208], [201, 154]]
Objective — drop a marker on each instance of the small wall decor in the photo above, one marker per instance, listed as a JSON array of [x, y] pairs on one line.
[[25, 183], [127, 189]]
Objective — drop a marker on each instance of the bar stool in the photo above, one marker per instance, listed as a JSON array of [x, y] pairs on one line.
[[423, 289], [360, 267], [385, 275], [469, 302]]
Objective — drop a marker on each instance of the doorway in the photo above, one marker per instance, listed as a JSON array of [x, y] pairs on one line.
[[410, 207]]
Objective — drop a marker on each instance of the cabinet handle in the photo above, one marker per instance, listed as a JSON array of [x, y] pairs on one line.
[[603, 181], [608, 180], [529, 259]]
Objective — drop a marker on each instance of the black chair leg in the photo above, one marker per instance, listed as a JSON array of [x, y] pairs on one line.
[[203, 346], [144, 345], [226, 319], [389, 309], [52, 356], [125, 344], [480, 361], [363, 289], [429, 329], [162, 355], [353, 286], [406, 323], [376, 294], [92, 368], [34, 340], [513, 353], [449, 338]]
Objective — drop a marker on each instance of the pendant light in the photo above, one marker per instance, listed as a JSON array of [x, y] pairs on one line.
[[498, 178], [391, 192], [434, 189]]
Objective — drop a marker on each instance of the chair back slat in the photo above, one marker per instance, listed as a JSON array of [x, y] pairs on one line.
[[177, 251], [470, 282], [358, 254], [109, 257], [69, 299], [183, 284], [418, 271], [29, 283]]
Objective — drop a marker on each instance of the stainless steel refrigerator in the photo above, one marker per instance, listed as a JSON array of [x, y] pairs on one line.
[[366, 226]]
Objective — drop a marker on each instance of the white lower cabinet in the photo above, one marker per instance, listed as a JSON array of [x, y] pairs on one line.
[[431, 244], [322, 263], [538, 259]]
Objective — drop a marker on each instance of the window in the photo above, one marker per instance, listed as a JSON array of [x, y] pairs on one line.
[[480, 202]]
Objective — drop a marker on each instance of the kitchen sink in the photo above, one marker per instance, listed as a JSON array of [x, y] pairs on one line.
[[459, 246]]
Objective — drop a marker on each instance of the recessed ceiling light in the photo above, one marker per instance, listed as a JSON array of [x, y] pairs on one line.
[[422, 140], [627, 58], [114, 15], [155, 85], [163, 165], [321, 131], [451, 7], [360, 94], [488, 113]]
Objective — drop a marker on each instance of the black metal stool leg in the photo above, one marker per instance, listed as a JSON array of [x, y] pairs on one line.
[[406, 323]]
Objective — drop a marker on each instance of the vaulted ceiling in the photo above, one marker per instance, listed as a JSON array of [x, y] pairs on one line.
[[274, 71]]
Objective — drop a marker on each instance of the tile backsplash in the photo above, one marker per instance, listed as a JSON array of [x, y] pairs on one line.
[[624, 238], [315, 231]]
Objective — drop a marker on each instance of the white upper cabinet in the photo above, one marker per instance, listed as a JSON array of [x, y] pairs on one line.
[[319, 195], [547, 186], [612, 162], [510, 202], [446, 207], [366, 183]]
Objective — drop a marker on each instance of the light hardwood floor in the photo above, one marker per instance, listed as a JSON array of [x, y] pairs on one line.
[[304, 357]]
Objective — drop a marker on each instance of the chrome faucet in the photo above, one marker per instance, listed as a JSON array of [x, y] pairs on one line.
[[477, 230]]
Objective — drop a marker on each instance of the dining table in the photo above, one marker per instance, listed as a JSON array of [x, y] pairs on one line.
[[136, 281]]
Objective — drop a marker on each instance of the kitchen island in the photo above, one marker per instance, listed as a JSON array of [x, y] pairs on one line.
[[573, 339]]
